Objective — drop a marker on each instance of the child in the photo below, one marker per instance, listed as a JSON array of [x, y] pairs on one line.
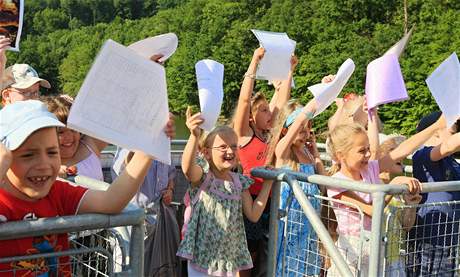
[[80, 151], [30, 189], [399, 219], [436, 234], [252, 123], [293, 129], [215, 242], [350, 149]]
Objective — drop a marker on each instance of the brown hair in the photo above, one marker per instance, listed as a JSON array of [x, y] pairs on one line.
[[341, 140], [277, 132], [58, 105]]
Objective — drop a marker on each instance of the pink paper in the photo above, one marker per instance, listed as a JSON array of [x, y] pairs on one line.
[[384, 81]]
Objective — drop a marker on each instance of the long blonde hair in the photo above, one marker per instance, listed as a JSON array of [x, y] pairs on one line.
[[277, 132], [341, 140]]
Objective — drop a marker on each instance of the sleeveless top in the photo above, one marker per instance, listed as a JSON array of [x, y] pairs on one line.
[[253, 154], [300, 242], [215, 241], [91, 166]]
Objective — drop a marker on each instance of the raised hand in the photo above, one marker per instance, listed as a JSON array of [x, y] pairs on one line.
[[413, 184], [294, 62], [193, 122], [258, 54], [328, 79]]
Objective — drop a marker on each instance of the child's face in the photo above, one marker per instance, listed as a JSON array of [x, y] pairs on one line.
[[35, 165], [262, 116], [69, 140], [223, 152], [357, 158], [302, 136]]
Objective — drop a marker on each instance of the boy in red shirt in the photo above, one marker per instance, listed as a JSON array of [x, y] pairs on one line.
[[29, 153]]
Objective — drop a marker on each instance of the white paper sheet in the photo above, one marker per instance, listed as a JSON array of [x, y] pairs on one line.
[[210, 79], [444, 84], [165, 45], [123, 101], [325, 94], [276, 63], [398, 47]]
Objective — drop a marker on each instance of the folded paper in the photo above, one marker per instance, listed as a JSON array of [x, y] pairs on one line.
[[123, 101], [164, 45], [384, 81], [276, 63], [210, 78], [326, 93], [399, 47], [444, 84]]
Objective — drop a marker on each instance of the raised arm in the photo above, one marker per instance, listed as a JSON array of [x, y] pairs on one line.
[[282, 150], [408, 146], [373, 132], [334, 120], [446, 148], [192, 171], [4, 45], [122, 190], [243, 108], [283, 91]]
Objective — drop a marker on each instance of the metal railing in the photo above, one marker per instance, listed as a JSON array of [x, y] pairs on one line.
[[71, 224], [378, 193]]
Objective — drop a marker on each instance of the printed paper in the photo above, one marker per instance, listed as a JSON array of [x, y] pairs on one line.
[[165, 45]]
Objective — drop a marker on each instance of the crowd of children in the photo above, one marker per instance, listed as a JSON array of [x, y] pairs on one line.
[[227, 222]]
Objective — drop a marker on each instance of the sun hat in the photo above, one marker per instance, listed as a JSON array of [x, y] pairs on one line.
[[20, 119], [21, 76], [291, 117]]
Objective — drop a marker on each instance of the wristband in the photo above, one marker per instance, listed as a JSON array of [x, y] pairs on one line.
[[309, 115], [250, 75]]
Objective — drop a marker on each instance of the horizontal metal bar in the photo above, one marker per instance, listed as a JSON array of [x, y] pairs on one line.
[[66, 224], [331, 182]]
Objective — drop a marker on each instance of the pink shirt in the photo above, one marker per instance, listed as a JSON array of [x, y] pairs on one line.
[[348, 218]]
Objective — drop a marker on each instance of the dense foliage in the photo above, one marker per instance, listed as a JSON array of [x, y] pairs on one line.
[[62, 37]]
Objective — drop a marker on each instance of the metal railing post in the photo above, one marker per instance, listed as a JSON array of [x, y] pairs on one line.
[[378, 204], [136, 251], [319, 227], [273, 229]]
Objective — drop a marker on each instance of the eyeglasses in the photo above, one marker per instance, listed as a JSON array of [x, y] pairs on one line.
[[29, 94], [225, 147]]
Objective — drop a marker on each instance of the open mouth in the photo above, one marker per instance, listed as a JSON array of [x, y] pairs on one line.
[[38, 180]]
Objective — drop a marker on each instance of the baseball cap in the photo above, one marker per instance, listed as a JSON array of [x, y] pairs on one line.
[[20, 119], [428, 120], [22, 76]]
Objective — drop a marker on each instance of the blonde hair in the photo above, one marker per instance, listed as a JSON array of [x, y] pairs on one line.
[[341, 140], [277, 132]]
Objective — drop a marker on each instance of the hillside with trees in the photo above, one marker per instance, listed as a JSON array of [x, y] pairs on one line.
[[62, 37]]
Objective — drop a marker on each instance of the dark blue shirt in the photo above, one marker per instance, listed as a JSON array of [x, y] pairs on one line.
[[437, 223]]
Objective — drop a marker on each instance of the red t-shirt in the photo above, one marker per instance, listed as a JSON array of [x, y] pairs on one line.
[[253, 154], [63, 199]]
